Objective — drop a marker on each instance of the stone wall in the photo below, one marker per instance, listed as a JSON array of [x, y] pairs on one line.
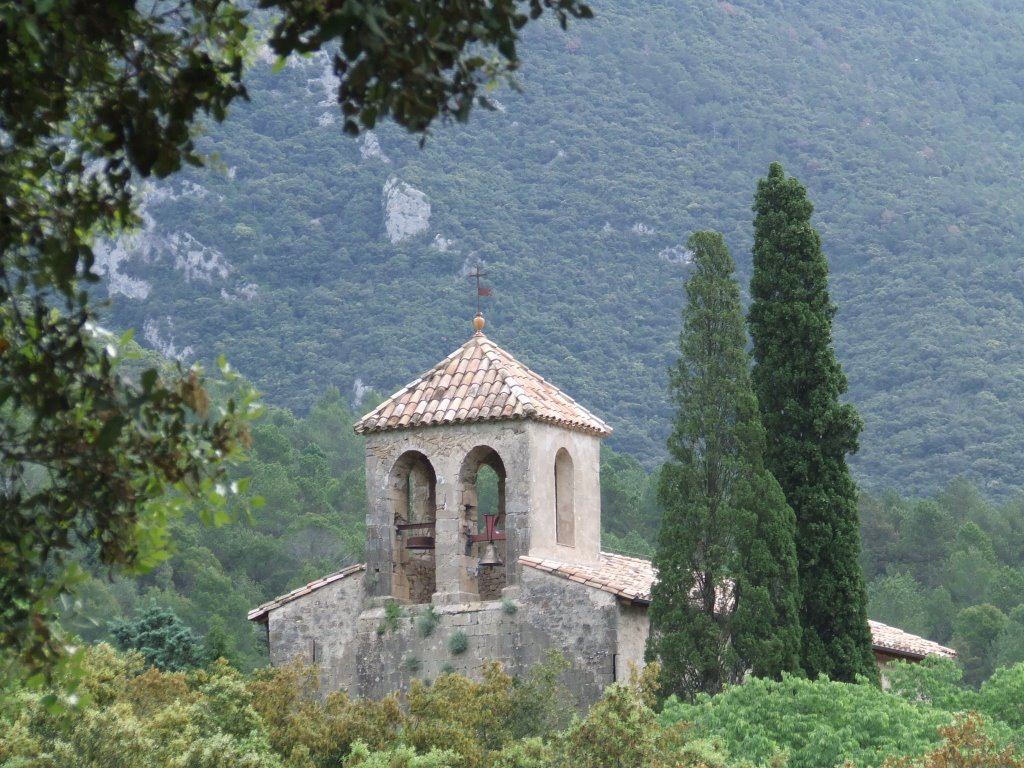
[[585, 452], [550, 613], [462, 638], [320, 628], [579, 621], [381, 650], [633, 629], [420, 569]]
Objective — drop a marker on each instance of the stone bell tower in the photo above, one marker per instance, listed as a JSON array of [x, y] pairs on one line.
[[435, 533], [483, 542]]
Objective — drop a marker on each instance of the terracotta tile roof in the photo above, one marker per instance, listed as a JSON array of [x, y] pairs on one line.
[[479, 382], [892, 640], [632, 578], [259, 614], [627, 577]]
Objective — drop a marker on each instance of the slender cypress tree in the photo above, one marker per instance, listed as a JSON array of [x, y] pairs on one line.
[[798, 382], [726, 597]]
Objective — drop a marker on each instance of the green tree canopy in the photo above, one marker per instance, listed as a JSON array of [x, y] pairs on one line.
[[975, 632], [412, 61], [726, 597], [163, 639], [799, 383]]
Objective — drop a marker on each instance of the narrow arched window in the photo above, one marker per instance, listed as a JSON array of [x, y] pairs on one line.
[[565, 503]]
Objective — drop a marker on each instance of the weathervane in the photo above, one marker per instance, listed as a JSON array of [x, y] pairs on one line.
[[478, 321]]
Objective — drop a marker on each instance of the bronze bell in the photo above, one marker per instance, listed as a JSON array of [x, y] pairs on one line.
[[490, 556]]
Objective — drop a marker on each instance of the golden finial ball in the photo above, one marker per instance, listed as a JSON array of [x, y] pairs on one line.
[[478, 322]]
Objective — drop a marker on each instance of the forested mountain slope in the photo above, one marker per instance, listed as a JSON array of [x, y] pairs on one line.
[[633, 130]]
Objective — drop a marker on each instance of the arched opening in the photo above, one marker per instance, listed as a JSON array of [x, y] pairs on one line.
[[483, 523], [414, 508], [565, 503]]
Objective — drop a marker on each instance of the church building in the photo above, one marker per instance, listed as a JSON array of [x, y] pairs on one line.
[[483, 544]]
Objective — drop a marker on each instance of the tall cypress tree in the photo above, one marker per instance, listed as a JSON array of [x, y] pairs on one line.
[[798, 382], [726, 531]]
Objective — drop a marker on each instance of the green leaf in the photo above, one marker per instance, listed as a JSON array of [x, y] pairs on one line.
[[148, 380], [110, 432], [52, 704]]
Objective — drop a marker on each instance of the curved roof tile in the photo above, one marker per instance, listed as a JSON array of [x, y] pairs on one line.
[[479, 382]]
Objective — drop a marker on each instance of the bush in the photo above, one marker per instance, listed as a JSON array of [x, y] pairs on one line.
[[964, 745], [426, 622], [299, 725], [400, 757], [817, 723], [458, 642], [392, 613], [620, 730]]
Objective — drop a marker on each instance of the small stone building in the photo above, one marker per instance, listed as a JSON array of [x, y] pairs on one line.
[[483, 544]]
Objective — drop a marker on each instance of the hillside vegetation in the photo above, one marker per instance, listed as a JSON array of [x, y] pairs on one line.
[[633, 130]]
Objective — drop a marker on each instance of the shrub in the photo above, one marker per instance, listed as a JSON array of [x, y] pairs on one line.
[[314, 733], [399, 757], [458, 642], [619, 730], [392, 613], [426, 622], [818, 723], [964, 745]]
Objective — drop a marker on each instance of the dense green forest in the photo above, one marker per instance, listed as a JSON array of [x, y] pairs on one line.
[[215, 716], [633, 130], [949, 568]]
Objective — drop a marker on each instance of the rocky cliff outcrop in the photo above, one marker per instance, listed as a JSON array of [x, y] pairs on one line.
[[406, 210]]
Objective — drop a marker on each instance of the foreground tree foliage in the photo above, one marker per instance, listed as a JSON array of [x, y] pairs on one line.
[[96, 97], [412, 61], [94, 461], [812, 723], [726, 597], [141, 716], [966, 745], [799, 383]]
